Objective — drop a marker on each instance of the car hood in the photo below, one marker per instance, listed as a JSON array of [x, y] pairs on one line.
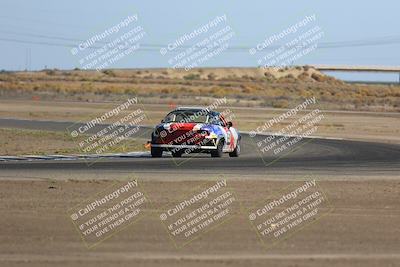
[[174, 126]]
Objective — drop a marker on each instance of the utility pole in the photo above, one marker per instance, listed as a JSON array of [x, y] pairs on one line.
[[28, 59]]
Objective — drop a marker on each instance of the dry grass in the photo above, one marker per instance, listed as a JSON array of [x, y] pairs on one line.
[[33, 142], [248, 87]]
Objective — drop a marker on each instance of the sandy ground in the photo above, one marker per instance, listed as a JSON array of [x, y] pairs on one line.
[[361, 228]]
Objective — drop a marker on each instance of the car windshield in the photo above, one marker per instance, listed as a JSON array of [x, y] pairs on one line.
[[196, 116]]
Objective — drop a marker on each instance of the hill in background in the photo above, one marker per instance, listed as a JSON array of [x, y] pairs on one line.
[[281, 88]]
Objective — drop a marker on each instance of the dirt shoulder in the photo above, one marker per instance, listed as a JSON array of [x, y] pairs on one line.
[[360, 231]]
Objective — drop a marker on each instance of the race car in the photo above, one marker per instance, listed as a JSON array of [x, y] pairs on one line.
[[188, 130]]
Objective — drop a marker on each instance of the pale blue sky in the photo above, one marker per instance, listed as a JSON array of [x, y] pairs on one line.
[[25, 24]]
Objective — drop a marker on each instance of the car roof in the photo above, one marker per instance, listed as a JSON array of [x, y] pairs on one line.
[[196, 109]]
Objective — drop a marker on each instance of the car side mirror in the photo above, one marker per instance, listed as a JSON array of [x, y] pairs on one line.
[[230, 124]]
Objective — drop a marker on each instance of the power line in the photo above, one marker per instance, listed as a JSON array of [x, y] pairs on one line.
[[377, 41]]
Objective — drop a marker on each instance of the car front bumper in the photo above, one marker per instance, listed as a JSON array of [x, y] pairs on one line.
[[168, 147]]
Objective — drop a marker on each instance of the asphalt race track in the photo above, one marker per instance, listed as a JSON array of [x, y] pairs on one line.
[[312, 155]]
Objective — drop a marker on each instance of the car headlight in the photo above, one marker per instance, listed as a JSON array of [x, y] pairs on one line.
[[213, 135]]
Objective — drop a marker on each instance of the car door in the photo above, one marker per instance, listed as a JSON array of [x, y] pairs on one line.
[[232, 133], [230, 138]]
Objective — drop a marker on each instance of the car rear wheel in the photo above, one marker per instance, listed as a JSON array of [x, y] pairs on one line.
[[156, 152], [236, 152], [219, 151]]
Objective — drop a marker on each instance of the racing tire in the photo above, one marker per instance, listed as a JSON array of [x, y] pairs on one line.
[[177, 154], [156, 152], [219, 151], [236, 152]]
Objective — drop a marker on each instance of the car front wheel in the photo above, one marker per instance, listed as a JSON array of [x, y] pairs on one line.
[[177, 154], [219, 151], [156, 152], [235, 153]]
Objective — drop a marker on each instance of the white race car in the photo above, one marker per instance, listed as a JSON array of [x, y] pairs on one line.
[[195, 130]]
